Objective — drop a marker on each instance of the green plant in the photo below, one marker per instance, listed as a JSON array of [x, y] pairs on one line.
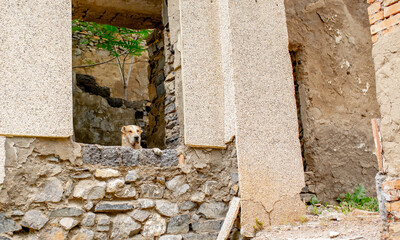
[[314, 200], [358, 199], [118, 41], [316, 211], [259, 225]]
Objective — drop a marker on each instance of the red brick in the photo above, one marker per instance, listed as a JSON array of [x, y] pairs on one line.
[[370, 1], [374, 38], [374, 8], [394, 206], [392, 10], [389, 2], [388, 185], [387, 23], [375, 17]]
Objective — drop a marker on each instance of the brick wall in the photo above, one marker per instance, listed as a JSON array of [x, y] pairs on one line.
[[384, 16]]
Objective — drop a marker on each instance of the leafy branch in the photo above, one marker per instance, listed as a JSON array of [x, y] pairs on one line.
[[118, 41]]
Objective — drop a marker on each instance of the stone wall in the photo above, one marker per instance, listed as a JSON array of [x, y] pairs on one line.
[[331, 55], [385, 30], [58, 189], [98, 117], [156, 127]]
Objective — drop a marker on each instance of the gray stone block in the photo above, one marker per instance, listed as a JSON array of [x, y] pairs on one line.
[[213, 209], [204, 236], [113, 207], [130, 157], [34, 219], [207, 226], [178, 224], [111, 156], [151, 191], [66, 212], [91, 154], [187, 205], [7, 224]]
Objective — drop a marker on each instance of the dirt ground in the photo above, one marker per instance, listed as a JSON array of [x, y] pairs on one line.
[[330, 224]]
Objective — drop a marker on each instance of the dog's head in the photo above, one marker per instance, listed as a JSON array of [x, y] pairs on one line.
[[131, 134]]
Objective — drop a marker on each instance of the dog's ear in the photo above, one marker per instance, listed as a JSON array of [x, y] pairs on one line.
[[123, 129]]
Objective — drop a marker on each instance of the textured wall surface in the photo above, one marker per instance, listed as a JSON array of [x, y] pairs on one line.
[[334, 70], [269, 157], [386, 53], [58, 189], [35, 84], [203, 86]]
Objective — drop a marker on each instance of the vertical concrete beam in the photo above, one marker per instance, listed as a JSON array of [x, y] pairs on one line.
[[203, 86], [269, 156], [35, 68]]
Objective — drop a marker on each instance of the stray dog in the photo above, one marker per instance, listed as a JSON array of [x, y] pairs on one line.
[[131, 137]]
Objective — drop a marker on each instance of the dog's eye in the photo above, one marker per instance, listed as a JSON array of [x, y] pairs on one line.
[[138, 130], [130, 131]]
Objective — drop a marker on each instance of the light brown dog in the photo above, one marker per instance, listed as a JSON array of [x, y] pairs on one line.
[[130, 136]]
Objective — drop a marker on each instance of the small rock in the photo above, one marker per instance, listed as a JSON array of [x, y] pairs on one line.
[[34, 219], [178, 224], [209, 226], [52, 159], [235, 177], [114, 185], [210, 187], [68, 223], [187, 205], [176, 183], [195, 217], [132, 176], [213, 209], [17, 213], [54, 233], [155, 226], [139, 215], [234, 189], [88, 206], [100, 236], [91, 190], [157, 151], [82, 176], [204, 236], [66, 212], [107, 173], [167, 208], [103, 223], [7, 224], [126, 192], [51, 191], [83, 234], [151, 191], [198, 197], [146, 203], [171, 237], [333, 234], [123, 227], [88, 220], [113, 207], [331, 216]]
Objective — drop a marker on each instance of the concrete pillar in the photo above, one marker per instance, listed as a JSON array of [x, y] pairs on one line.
[[240, 71], [35, 68]]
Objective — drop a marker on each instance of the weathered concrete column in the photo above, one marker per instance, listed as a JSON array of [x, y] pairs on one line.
[[35, 68], [246, 62]]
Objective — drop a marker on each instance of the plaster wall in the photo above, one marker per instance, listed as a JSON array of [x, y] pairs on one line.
[[35, 84]]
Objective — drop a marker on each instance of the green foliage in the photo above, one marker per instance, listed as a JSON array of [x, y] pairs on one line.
[[259, 225], [358, 199], [314, 200], [116, 40]]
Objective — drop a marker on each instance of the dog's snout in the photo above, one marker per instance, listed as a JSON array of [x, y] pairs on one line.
[[136, 138]]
